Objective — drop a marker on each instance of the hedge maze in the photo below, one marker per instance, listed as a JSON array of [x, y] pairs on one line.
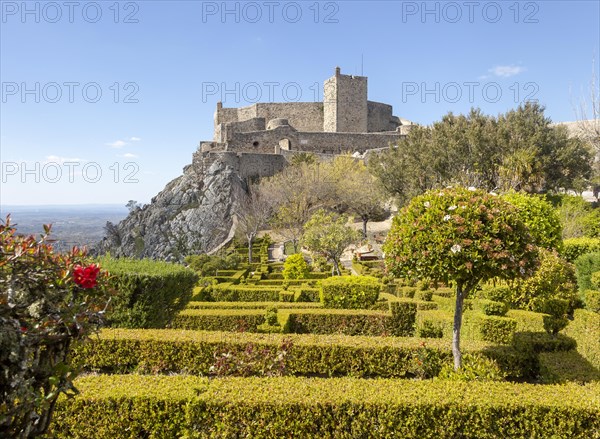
[[252, 354]]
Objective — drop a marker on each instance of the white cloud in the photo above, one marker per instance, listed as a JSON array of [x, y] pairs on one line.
[[58, 159], [117, 144], [134, 139], [506, 71], [129, 155]]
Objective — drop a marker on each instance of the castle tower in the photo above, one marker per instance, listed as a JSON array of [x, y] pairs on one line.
[[345, 103]]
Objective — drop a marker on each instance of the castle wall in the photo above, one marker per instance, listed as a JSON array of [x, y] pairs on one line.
[[245, 113], [380, 117], [304, 116], [268, 142], [254, 124], [245, 165]]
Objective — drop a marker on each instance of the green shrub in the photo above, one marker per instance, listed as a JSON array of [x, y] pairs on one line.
[[540, 218], [233, 293], [210, 265], [497, 329], [350, 292], [308, 294], [295, 267], [136, 406], [149, 294], [475, 367], [595, 280], [430, 329], [586, 264], [251, 305], [404, 315], [286, 296], [563, 367], [554, 324], [193, 352], [492, 308], [592, 300], [575, 247], [424, 295], [499, 293], [585, 329], [219, 320], [543, 342], [271, 316], [345, 322], [554, 279], [408, 292]]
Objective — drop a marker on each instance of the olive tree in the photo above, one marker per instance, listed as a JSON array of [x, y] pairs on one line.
[[327, 234], [461, 236]]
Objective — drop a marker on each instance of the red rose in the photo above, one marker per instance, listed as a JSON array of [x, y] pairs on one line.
[[85, 277]]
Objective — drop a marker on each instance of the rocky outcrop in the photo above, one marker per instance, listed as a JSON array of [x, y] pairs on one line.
[[194, 212]]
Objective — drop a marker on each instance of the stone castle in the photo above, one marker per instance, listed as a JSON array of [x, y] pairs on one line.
[[345, 122], [194, 212]]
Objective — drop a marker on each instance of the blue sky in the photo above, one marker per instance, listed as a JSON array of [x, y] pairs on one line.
[[103, 102]]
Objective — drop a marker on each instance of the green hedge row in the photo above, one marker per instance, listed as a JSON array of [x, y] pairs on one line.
[[177, 351], [235, 293], [354, 322], [575, 247], [182, 406], [585, 329], [350, 292], [149, 294], [252, 305], [236, 320]]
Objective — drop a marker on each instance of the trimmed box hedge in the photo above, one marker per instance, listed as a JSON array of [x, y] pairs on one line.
[[193, 352], [149, 294], [585, 329], [400, 322], [251, 305], [575, 247], [237, 320], [182, 406], [350, 292], [235, 293]]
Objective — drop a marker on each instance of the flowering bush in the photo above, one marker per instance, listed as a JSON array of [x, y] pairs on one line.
[[460, 235], [47, 301]]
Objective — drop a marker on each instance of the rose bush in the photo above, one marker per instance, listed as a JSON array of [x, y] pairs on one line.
[[47, 301]]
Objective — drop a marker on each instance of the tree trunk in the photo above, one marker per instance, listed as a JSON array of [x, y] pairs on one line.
[[250, 240], [336, 267], [364, 221], [457, 325]]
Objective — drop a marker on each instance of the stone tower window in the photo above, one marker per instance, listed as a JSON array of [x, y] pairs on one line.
[[255, 144]]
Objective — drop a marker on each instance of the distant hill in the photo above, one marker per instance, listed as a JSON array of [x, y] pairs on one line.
[[71, 224]]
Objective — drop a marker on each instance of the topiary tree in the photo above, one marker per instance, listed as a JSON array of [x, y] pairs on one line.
[[47, 301], [540, 217], [327, 234], [460, 235], [295, 267], [553, 279]]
